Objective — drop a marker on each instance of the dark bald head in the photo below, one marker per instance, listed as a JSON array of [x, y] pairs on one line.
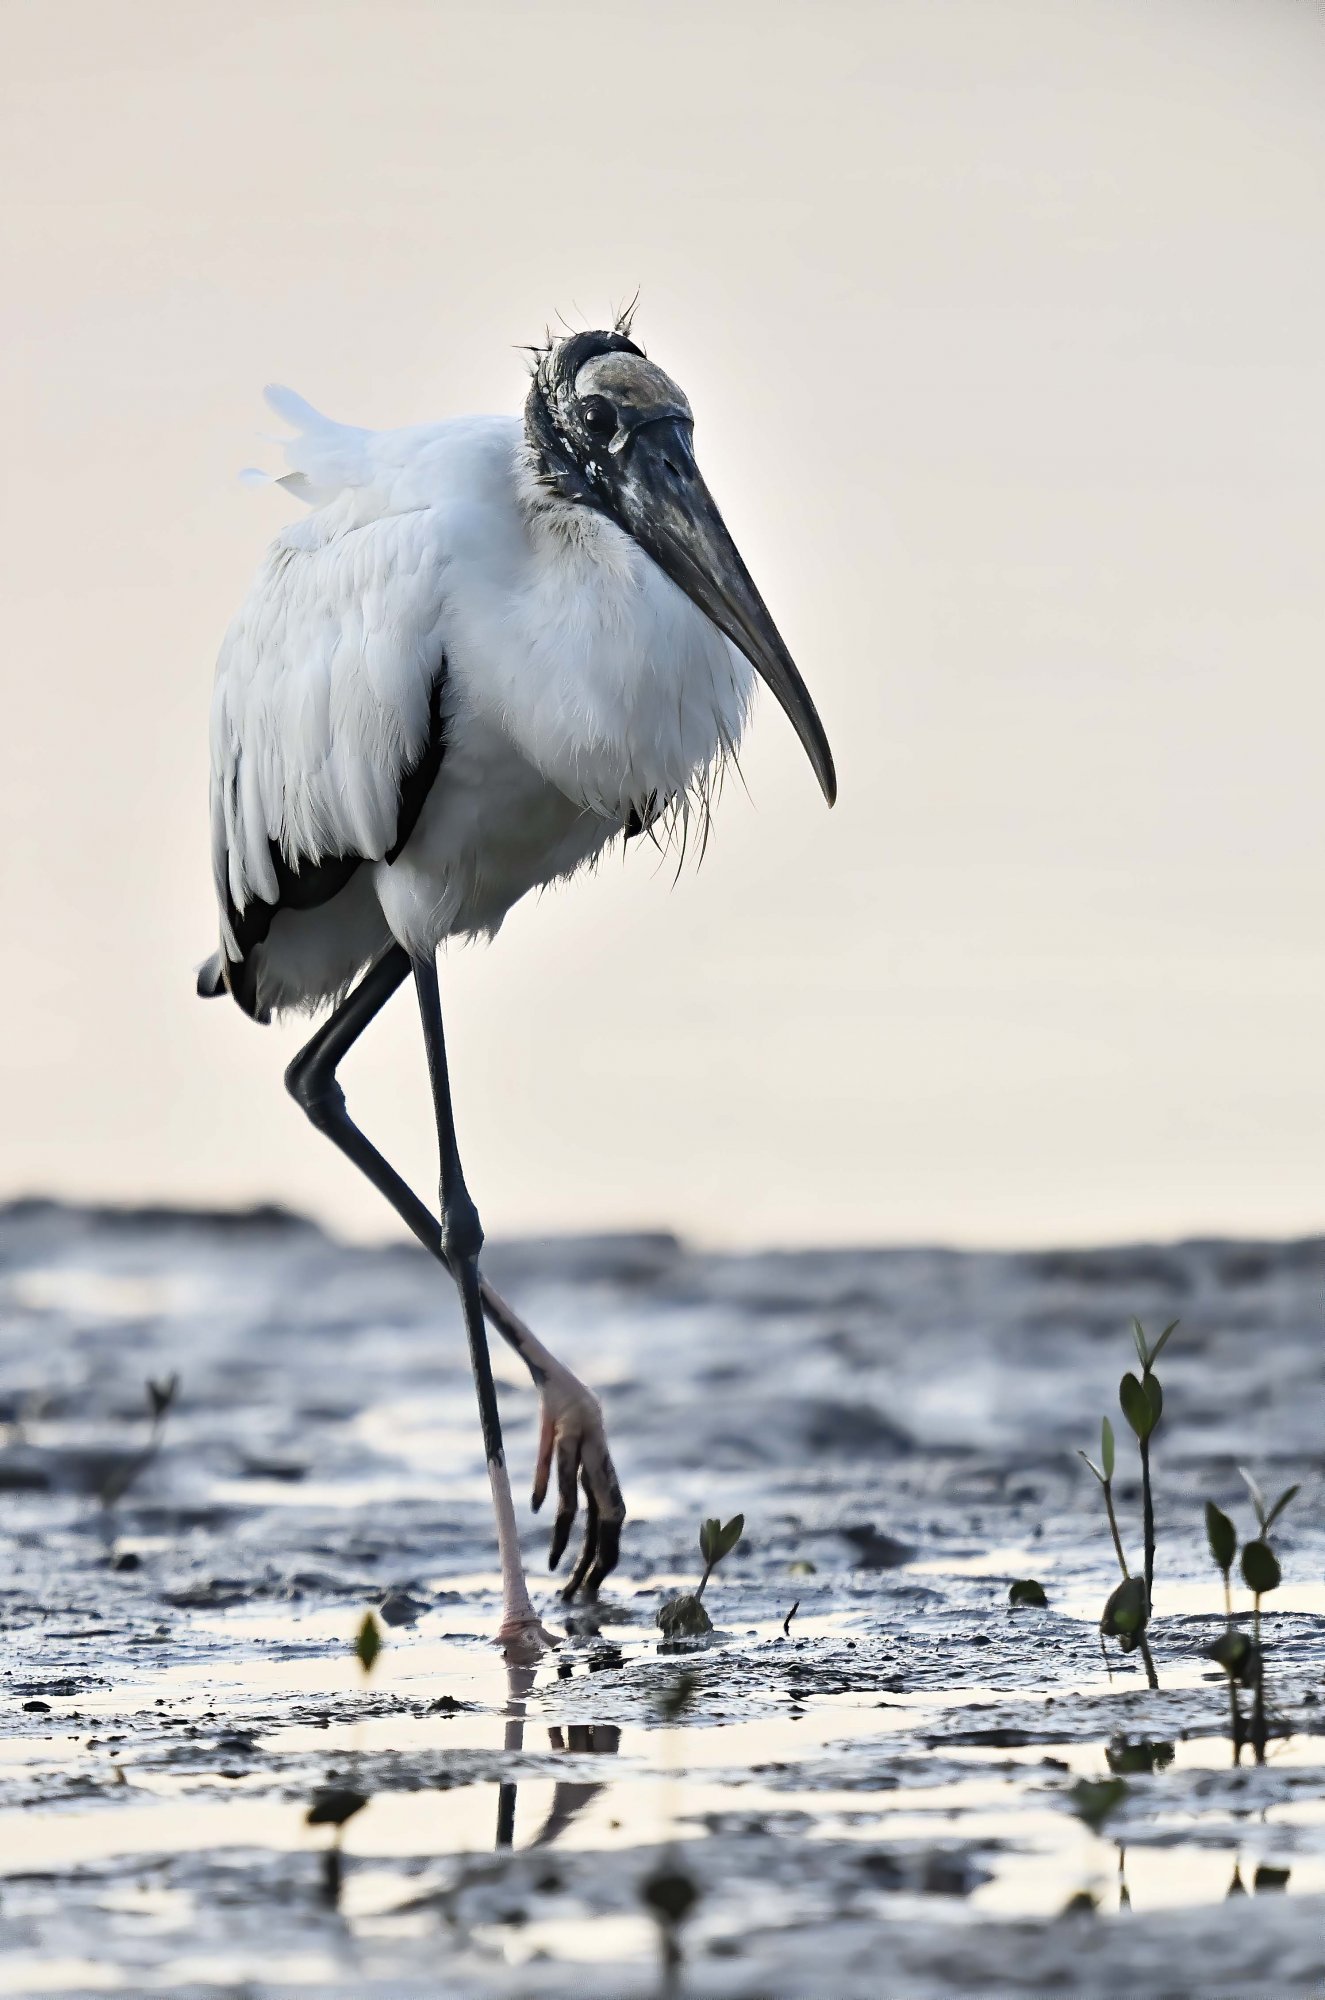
[[590, 395]]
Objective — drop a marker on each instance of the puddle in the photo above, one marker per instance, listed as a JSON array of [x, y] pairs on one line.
[[888, 1776]]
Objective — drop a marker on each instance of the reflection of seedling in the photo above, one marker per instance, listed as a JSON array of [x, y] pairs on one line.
[[1127, 1612], [160, 1401], [684, 1617], [1240, 1657], [1095, 1800], [335, 1805], [671, 1894], [1027, 1592], [1128, 1760]]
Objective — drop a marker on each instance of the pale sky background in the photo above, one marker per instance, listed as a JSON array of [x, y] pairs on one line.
[[1004, 323]]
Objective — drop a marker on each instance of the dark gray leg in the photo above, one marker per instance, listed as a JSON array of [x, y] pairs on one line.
[[311, 1080]]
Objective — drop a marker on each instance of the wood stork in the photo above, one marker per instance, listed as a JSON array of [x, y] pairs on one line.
[[490, 649]]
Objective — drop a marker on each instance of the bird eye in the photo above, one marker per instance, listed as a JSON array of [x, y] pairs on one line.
[[598, 416]]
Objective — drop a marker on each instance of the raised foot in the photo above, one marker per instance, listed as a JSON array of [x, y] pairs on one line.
[[573, 1433]]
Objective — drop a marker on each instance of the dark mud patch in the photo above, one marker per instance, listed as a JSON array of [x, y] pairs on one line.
[[877, 1797]]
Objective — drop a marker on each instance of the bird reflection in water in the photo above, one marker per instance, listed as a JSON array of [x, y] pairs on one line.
[[569, 1796]]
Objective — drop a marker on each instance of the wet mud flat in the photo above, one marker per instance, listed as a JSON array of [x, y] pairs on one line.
[[876, 1797]]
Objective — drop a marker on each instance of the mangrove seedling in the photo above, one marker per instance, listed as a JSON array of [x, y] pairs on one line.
[[160, 1401], [1127, 1612], [684, 1617], [1142, 1403], [1241, 1657]]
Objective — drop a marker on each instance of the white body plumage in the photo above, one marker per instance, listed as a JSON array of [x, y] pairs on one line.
[[580, 688]]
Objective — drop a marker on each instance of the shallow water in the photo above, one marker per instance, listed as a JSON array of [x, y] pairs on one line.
[[875, 1801]]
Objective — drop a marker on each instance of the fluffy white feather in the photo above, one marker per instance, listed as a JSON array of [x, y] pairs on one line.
[[581, 685]]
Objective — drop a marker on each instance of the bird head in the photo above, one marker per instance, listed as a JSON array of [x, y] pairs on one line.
[[608, 430]]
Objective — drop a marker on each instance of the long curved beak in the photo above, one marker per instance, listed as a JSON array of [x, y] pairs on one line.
[[662, 502]]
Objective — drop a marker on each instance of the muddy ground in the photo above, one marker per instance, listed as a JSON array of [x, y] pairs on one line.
[[878, 1801]]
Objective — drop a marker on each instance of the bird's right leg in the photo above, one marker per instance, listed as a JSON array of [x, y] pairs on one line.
[[572, 1423]]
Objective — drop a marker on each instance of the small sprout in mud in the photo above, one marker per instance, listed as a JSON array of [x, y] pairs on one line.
[[684, 1617], [1126, 1614], [1026, 1591], [160, 1400], [677, 1697], [715, 1542], [368, 1642], [334, 1805], [1128, 1760], [1095, 1800], [1268, 1877], [161, 1396], [786, 1623], [1081, 1903]]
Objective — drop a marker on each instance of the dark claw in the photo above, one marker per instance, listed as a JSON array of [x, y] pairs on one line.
[[587, 1553], [568, 1466], [605, 1513], [609, 1548]]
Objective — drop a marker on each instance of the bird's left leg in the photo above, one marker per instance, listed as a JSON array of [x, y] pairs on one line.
[[572, 1420]]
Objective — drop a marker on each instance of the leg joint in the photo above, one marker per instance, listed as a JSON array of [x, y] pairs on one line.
[[461, 1230], [315, 1090]]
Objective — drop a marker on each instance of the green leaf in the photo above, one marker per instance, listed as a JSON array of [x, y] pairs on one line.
[[1154, 1396], [729, 1536], [1163, 1341], [1257, 1497], [709, 1534], [1260, 1568], [1289, 1493], [1126, 1612], [1106, 1448], [1139, 1336], [1135, 1405], [1027, 1591], [1222, 1536], [368, 1642], [1236, 1654], [1095, 1799]]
